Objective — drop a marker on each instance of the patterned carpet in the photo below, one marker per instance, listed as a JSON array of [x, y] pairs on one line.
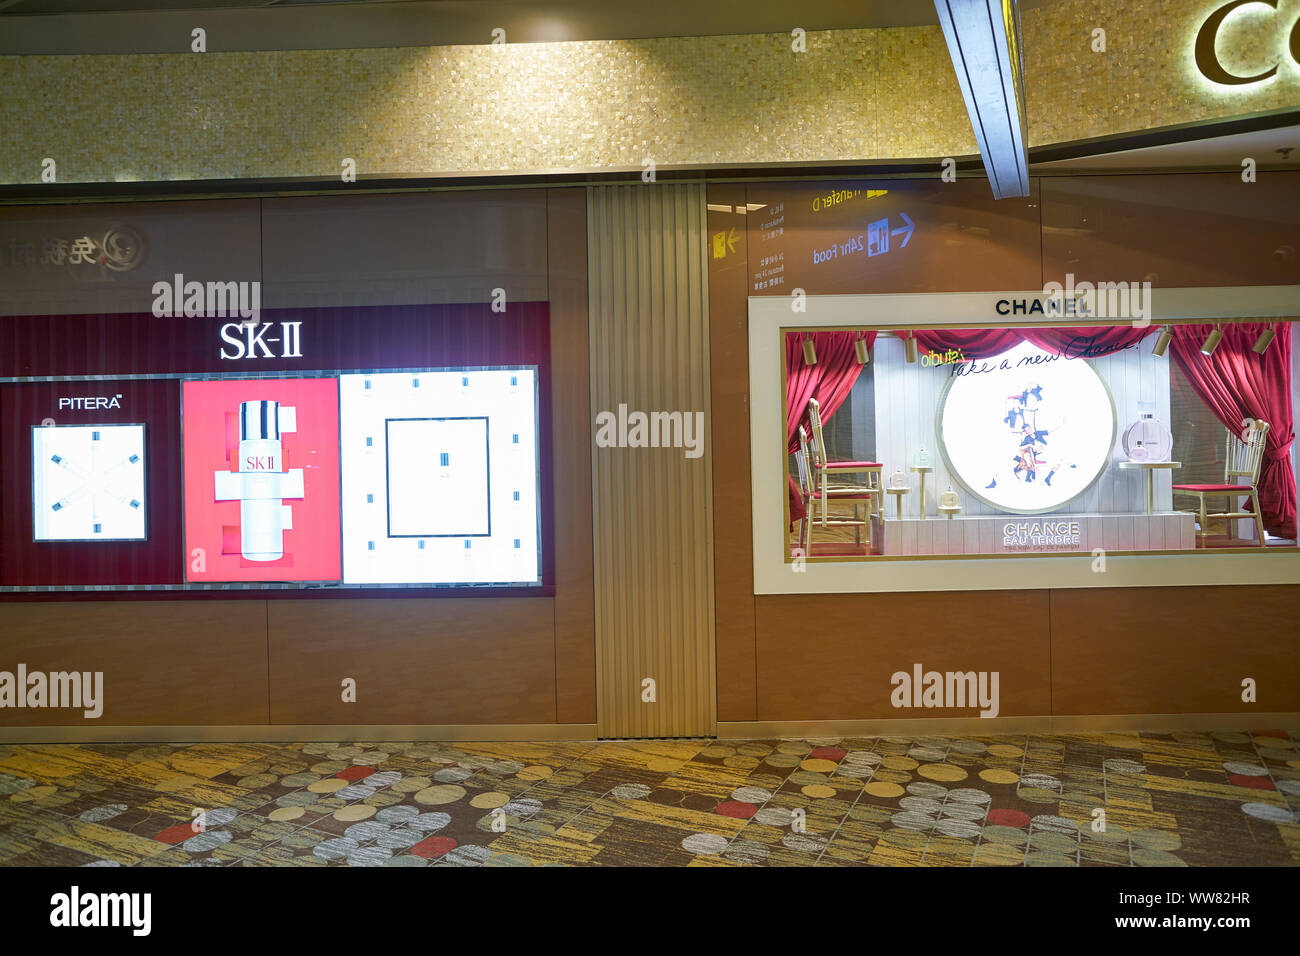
[[1184, 799]]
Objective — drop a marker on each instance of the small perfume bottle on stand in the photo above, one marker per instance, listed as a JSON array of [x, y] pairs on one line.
[[921, 465]]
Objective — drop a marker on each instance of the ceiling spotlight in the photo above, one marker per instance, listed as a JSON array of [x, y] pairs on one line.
[[1212, 341], [860, 346], [1162, 341], [909, 344], [1264, 341], [809, 352]]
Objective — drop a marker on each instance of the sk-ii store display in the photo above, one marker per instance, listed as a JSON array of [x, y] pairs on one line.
[[143, 453], [262, 482], [262, 479]]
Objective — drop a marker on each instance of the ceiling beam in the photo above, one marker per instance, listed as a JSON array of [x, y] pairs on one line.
[[984, 41]]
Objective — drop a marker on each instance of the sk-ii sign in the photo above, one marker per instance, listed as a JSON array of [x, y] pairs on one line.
[[249, 339], [244, 341]]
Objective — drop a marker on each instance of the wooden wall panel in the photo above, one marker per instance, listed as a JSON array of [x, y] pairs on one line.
[[1118, 651], [831, 656], [653, 518], [415, 661], [165, 663], [963, 240], [1175, 650], [575, 615], [733, 543], [1206, 229], [418, 248], [204, 238]]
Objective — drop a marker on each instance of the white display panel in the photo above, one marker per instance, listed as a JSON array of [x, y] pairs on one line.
[[88, 483], [1027, 431], [438, 479], [408, 518]]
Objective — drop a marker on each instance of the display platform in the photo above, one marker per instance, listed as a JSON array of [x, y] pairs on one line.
[[1036, 534]]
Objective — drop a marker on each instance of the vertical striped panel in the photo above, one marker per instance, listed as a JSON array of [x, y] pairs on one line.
[[653, 514]]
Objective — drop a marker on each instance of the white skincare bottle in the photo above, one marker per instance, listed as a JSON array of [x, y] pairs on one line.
[[262, 474]]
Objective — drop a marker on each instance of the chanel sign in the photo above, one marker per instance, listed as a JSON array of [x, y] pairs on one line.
[[1207, 57]]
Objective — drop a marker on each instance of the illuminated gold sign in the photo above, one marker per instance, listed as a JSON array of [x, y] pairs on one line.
[[1207, 58]]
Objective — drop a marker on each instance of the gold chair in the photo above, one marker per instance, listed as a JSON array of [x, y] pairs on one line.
[[1245, 453], [811, 495], [824, 469]]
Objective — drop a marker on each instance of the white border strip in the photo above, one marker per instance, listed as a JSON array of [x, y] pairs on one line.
[[772, 575]]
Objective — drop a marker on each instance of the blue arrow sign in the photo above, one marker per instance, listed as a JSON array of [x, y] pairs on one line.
[[906, 230]]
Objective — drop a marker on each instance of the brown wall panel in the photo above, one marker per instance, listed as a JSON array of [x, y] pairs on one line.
[[409, 249], [415, 661], [150, 241], [1175, 650], [1208, 229], [853, 237], [831, 656], [1098, 651], [733, 542], [165, 663], [575, 614]]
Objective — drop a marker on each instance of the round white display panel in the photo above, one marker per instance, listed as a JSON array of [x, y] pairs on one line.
[[1026, 431]]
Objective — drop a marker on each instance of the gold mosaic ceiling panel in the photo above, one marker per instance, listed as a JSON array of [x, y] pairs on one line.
[[854, 95]]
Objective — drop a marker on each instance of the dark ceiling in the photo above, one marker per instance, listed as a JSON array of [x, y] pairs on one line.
[[866, 12]]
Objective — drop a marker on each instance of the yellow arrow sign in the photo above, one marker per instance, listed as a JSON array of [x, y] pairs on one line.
[[724, 242]]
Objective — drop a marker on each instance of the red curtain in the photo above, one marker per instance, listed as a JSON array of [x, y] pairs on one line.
[[829, 381], [975, 344], [1235, 384], [972, 343], [1086, 342]]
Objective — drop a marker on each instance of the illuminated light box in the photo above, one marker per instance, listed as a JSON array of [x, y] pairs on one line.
[[88, 483], [440, 477], [1026, 431], [261, 479]]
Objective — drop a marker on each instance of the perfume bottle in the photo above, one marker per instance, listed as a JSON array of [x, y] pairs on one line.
[[1147, 439]]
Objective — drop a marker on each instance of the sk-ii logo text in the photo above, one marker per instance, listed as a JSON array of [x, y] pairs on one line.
[[260, 463], [253, 342]]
